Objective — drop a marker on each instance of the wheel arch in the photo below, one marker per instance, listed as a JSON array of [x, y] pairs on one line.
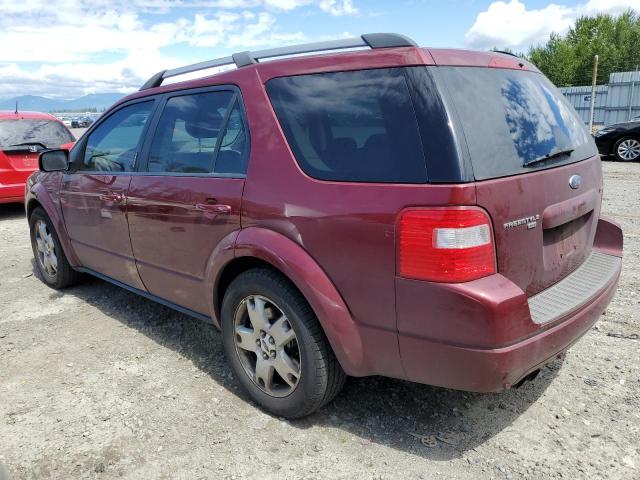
[[32, 204], [255, 247], [230, 271], [39, 196]]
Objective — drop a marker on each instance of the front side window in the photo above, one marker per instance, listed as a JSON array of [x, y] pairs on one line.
[[190, 132], [351, 126], [113, 145]]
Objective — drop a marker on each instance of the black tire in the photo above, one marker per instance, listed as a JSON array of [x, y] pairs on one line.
[[64, 275], [634, 143], [321, 378]]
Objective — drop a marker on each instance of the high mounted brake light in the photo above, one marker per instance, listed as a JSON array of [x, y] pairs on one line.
[[446, 245]]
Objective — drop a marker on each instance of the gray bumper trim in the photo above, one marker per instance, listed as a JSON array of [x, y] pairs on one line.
[[576, 289]]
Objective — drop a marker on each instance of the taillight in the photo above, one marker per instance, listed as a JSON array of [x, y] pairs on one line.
[[446, 245]]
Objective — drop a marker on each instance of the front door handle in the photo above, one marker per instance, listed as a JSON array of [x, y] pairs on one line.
[[114, 197], [217, 208]]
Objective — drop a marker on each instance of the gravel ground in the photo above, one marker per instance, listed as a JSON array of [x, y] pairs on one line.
[[96, 382]]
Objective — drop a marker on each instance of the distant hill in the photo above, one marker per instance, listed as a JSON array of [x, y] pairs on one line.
[[99, 101]]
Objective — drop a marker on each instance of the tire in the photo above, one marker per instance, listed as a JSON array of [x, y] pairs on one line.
[[259, 306], [62, 275], [627, 149]]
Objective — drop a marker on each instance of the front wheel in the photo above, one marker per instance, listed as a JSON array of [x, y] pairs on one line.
[[50, 259], [276, 346], [627, 149]]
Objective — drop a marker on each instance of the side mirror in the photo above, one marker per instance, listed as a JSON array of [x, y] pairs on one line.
[[54, 160]]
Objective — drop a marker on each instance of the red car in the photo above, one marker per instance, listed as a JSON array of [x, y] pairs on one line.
[[425, 214], [23, 135]]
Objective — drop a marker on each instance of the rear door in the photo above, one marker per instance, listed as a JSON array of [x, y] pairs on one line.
[[537, 170], [94, 196], [188, 197]]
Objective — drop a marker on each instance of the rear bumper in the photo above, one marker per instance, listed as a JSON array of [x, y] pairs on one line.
[[487, 339], [12, 193]]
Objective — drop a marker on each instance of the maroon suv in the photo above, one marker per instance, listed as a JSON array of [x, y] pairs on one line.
[[425, 214]]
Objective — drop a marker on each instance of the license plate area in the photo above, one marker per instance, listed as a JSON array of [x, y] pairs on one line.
[[564, 246]]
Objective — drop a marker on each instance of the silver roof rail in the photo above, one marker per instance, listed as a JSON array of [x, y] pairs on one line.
[[243, 59]]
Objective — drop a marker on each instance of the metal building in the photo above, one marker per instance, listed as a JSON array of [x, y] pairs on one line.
[[618, 101]]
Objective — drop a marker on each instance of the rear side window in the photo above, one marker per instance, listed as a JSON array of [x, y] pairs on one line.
[[187, 134], [232, 155], [514, 121], [199, 133], [355, 126]]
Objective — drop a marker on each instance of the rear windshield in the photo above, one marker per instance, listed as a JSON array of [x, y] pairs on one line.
[[513, 121], [47, 133], [351, 126]]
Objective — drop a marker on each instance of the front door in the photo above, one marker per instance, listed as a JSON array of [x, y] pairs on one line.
[[188, 197], [94, 196]]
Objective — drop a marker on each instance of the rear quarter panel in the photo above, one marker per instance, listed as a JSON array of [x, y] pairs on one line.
[[348, 229]]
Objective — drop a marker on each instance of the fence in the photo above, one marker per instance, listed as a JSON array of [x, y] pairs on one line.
[[616, 102]]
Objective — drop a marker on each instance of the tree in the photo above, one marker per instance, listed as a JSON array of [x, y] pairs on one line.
[[568, 59]]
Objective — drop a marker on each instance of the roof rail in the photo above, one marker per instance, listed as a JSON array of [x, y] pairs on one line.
[[243, 59]]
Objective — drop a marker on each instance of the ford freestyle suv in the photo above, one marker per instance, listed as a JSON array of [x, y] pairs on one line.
[[424, 214], [23, 135]]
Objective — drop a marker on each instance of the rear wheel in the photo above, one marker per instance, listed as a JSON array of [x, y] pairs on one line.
[[276, 346], [627, 149], [47, 251]]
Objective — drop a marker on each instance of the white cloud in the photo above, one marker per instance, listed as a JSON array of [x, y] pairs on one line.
[[84, 46], [511, 24], [254, 34], [335, 7]]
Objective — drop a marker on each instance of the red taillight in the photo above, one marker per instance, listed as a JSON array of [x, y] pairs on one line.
[[446, 245]]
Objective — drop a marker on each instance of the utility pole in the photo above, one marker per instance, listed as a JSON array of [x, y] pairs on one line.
[[633, 86], [593, 92]]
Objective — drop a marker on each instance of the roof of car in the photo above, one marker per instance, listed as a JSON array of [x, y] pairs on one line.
[[13, 115], [344, 61]]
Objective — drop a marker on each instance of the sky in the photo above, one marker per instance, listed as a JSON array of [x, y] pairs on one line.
[[69, 48]]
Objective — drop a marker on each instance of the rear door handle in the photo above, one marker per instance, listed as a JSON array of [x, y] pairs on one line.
[[214, 208]]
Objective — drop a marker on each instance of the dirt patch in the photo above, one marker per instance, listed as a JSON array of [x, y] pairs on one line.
[[96, 382]]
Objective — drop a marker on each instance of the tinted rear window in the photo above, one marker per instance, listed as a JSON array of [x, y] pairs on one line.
[[511, 118], [49, 133], [351, 126]]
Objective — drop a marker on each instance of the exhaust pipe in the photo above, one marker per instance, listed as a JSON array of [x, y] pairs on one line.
[[527, 378]]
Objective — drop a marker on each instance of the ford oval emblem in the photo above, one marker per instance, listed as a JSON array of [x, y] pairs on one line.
[[575, 181]]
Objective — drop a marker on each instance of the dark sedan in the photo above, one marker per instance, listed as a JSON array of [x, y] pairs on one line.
[[621, 140], [81, 122]]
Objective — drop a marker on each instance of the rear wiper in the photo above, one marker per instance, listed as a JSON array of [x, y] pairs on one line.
[[27, 144], [549, 156]]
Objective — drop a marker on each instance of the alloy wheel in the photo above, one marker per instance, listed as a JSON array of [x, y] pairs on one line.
[[47, 255], [629, 149], [267, 346]]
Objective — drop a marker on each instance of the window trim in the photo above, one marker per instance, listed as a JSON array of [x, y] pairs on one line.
[[78, 155], [236, 99]]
